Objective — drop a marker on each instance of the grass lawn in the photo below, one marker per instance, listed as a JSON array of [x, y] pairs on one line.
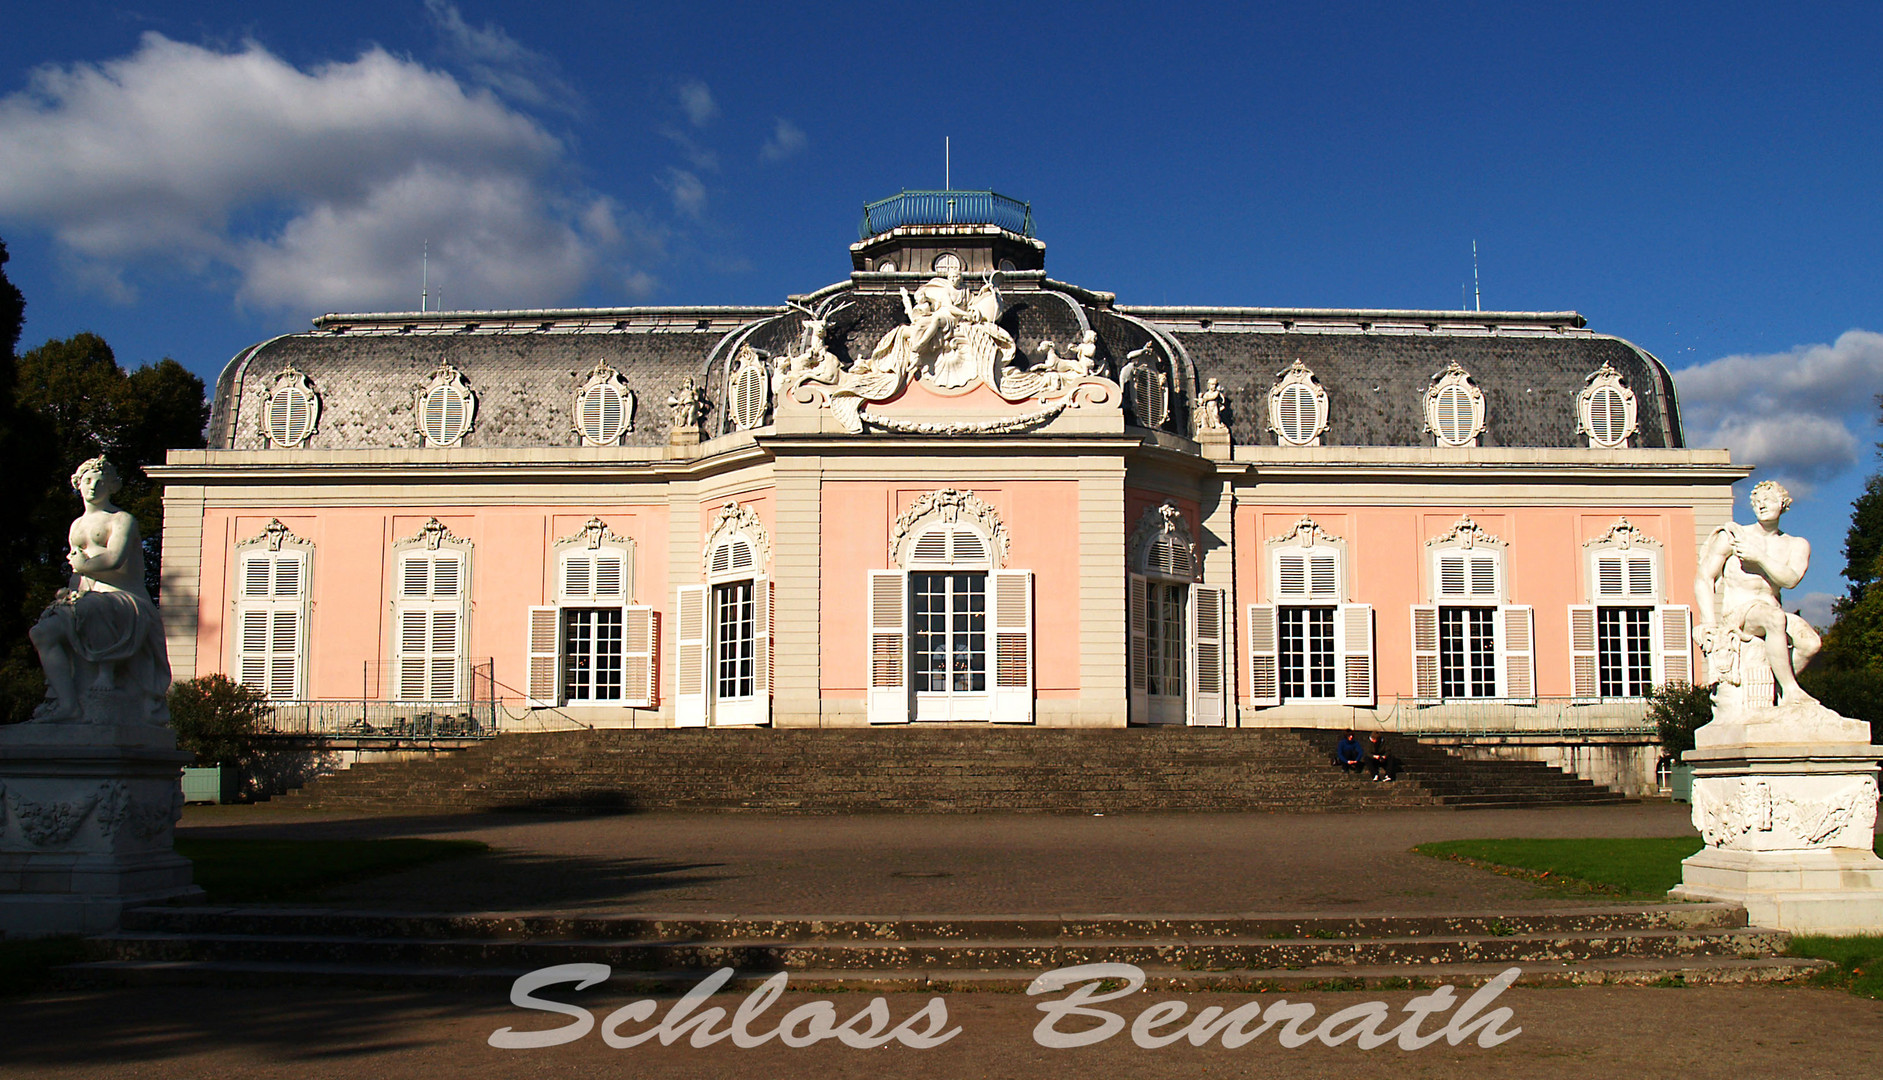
[[273, 871], [1645, 868]]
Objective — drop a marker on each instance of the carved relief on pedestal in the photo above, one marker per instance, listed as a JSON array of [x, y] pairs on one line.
[[1771, 813], [50, 822]]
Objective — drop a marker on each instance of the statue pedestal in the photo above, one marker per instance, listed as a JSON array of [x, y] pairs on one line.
[[1789, 826], [683, 436], [87, 818]]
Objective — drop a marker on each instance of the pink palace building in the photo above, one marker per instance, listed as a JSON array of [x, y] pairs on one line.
[[950, 489]]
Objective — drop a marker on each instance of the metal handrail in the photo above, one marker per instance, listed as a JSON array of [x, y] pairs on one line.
[[1520, 716], [946, 208], [364, 718]]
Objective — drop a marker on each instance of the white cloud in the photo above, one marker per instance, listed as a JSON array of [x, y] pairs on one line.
[[689, 194], [696, 100], [787, 139], [316, 186], [1816, 608], [495, 59], [1795, 414]]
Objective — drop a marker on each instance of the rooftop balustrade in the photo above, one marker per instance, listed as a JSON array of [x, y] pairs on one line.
[[946, 208]]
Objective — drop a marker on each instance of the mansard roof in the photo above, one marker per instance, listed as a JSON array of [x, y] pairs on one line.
[[527, 366]]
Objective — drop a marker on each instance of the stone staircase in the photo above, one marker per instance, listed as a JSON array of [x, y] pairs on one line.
[[930, 770], [1666, 944]]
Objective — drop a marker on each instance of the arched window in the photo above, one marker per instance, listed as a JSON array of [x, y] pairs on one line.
[[748, 390], [1178, 636], [1454, 408], [1606, 408], [725, 627], [446, 407], [604, 407], [1469, 642], [1297, 407], [292, 410], [1625, 641], [950, 629]]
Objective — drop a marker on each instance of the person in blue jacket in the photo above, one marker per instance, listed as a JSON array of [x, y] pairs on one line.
[[1347, 753]]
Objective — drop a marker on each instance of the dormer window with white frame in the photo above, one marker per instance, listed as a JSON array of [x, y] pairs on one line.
[[950, 626], [431, 615], [1454, 408], [1307, 644], [1148, 387], [604, 407], [291, 413], [724, 644], [748, 390], [595, 645], [1469, 642], [1297, 407], [1626, 640], [1606, 409], [1179, 636], [272, 608], [445, 406]]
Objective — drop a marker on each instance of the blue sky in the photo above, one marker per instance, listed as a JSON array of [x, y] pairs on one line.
[[1700, 179]]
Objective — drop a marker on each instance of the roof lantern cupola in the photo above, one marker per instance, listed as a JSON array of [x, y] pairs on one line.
[[939, 232]]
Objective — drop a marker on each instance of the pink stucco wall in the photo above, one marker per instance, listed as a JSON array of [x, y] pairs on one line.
[[1546, 568], [1042, 522], [512, 569]]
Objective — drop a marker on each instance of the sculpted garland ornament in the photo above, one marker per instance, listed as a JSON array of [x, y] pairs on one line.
[[736, 517]]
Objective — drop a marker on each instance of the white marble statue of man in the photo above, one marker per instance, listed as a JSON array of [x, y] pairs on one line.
[[103, 630], [1751, 564]]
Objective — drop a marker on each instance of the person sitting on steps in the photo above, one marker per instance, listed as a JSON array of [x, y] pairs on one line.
[[1379, 760], [1347, 754]]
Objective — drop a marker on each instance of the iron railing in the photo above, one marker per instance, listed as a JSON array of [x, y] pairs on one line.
[[385, 719], [946, 208], [1520, 716]]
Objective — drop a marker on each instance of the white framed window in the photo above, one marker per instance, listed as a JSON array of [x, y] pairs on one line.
[[1470, 641], [431, 609], [1606, 409], [1147, 386], [1178, 633], [604, 407], [950, 630], [595, 645], [748, 390], [445, 406], [1308, 643], [292, 410], [271, 613], [1454, 408], [1626, 640], [725, 646], [1297, 407]]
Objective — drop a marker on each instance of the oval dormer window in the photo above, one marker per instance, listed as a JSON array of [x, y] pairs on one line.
[[604, 408], [446, 408], [1454, 408], [1606, 409], [751, 390], [291, 411]]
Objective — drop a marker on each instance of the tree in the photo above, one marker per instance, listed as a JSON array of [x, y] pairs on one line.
[[219, 720], [1855, 640]]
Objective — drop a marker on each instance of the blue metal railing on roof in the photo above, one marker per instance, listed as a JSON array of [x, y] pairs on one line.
[[946, 208]]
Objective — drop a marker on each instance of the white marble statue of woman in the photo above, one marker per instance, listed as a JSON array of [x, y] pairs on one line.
[[101, 637]]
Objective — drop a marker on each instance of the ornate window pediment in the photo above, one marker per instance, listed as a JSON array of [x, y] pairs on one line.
[[292, 411], [1162, 545], [949, 527], [1467, 564], [595, 565], [1624, 564], [1308, 565], [1454, 407], [1606, 409], [433, 535], [1297, 407], [275, 536], [737, 544], [604, 407], [446, 407]]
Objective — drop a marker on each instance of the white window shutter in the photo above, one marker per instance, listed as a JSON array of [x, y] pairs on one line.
[[1324, 576], [888, 694], [1207, 641], [284, 653], [1013, 646], [1673, 644], [252, 649], [412, 665], [1425, 651], [1451, 576], [1641, 576], [1584, 680], [640, 657], [692, 674], [445, 648], [762, 642], [1137, 605], [543, 658], [1516, 652], [1291, 577], [1353, 650], [1264, 656]]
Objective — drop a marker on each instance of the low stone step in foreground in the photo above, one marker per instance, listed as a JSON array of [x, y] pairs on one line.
[[1657, 943], [935, 770]]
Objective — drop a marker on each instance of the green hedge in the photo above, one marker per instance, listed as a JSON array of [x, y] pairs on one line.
[[1857, 694]]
